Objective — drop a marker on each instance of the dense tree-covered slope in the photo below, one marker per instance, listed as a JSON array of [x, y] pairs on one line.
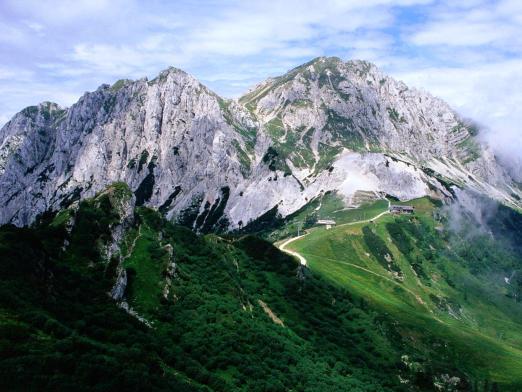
[[103, 296], [238, 313]]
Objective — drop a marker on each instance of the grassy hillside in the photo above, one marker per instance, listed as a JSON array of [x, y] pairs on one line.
[[328, 206], [446, 290]]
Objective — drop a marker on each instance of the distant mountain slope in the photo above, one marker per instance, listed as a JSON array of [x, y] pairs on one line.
[[216, 164]]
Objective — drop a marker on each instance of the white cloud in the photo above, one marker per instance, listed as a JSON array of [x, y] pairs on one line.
[[461, 24], [97, 41], [10, 74], [461, 34], [488, 93], [10, 35], [478, 92], [467, 52], [472, 58], [38, 28]]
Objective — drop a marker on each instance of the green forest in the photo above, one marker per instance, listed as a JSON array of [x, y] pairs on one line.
[[232, 312]]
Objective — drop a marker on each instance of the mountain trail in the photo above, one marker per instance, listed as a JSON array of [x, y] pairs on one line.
[[417, 297], [301, 259], [282, 247]]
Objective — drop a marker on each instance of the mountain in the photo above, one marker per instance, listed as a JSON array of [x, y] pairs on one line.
[[107, 296], [217, 164], [134, 252]]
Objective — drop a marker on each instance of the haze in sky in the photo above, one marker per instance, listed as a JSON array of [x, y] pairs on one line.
[[468, 52]]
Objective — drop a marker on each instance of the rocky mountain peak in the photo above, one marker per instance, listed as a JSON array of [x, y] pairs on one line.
[[213, 163]]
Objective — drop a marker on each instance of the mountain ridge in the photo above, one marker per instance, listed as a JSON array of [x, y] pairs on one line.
[[326, 125]]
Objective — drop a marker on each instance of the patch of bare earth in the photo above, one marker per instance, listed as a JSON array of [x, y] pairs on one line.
[[271, 314]]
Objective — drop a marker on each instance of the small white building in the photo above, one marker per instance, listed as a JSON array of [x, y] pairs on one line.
[[326, 222]]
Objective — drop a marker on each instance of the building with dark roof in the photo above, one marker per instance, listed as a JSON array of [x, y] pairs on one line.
[[397, 209]]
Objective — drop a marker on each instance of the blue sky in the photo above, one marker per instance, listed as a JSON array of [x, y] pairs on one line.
[[468, 52]]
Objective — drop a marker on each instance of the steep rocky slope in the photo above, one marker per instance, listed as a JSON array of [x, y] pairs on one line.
[[372, 129], [213, 163]]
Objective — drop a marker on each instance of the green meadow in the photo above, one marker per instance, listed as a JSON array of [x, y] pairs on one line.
[[409, 268]]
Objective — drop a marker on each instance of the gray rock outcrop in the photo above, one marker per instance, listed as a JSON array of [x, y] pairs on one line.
[[217, 164]]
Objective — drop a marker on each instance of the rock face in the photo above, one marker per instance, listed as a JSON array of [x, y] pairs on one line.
[[217, 164]]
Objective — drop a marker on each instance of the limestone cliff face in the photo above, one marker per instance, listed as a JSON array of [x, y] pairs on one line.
[[167, 138], [218, 164]]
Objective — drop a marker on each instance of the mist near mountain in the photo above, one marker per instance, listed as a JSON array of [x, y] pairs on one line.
[[507, 145]]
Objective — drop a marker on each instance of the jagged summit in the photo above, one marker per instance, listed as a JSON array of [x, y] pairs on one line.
[[330, 104], [217, 164], [315, 65]]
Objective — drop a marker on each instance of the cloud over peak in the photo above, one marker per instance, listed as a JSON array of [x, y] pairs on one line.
[[467, 52]]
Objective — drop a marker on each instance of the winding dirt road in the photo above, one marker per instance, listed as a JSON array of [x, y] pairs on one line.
[[300, 257]]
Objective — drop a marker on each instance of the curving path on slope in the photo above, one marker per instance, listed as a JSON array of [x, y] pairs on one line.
[[282, 247], [301, 258]]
